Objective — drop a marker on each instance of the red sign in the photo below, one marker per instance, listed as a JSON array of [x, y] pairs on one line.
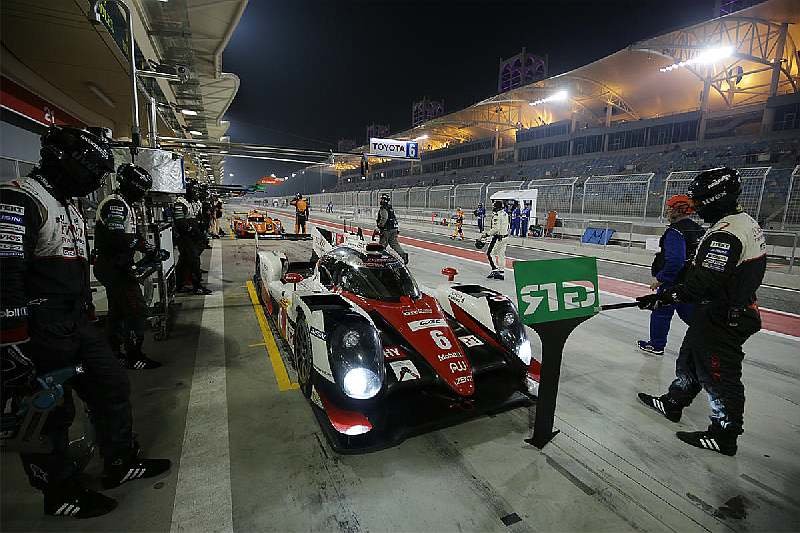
[[269, 181], [21, 101]]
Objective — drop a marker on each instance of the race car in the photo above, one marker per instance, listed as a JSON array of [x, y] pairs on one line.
[[381, 358], [255, 223]]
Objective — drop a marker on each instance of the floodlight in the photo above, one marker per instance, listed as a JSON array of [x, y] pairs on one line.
[[706, 57], [560, 96]]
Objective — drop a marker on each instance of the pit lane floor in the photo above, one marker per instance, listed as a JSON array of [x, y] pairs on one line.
[[615, 466]]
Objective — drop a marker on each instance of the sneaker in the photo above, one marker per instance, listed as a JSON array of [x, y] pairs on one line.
[[646, 347], [492, 274], [663, 405], [77, 502], [121, 471], [201, 290], [140, 362], [719, 441]]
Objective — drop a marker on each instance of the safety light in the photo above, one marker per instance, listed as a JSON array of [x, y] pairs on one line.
[[706, 57]]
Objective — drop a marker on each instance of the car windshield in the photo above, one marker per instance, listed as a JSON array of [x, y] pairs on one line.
[[256, 218], [385, 282]]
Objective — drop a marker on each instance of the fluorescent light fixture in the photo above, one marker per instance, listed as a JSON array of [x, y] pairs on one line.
[[103, 97], [195, 132], [560, 96], [189, 112], [223, 151], [200, 146], [706, 57]]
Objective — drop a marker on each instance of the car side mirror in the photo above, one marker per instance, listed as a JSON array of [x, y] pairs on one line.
[[293, 277]]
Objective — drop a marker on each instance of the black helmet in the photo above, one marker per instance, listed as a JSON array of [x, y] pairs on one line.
[[134, 182], [715, 193], [498, 205], [298, 196], [385, 199], [76, 161], [479, 243]]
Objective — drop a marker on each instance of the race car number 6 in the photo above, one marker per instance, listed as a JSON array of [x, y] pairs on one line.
[[440, 339]]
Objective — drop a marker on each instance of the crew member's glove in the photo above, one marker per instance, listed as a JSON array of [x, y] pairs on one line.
[[652, 302]]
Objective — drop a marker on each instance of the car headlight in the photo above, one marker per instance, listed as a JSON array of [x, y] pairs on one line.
[[361, 383], [524, 351]]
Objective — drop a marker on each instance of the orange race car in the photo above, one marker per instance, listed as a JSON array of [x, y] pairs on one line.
[[256, 224]]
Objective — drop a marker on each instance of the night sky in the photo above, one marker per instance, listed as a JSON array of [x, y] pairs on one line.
[[315, 71]]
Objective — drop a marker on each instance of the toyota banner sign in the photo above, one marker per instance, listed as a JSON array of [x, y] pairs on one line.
[[393, 148]]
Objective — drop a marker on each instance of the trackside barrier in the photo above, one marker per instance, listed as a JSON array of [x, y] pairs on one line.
[[753, 181], [400, 197], [418, 197], [555, 194], [616, 195], [791, 211], [440, 196], [468, 196]]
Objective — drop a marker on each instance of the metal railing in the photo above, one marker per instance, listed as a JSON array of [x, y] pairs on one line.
[[753, 181], [791, 211], [616, 195]]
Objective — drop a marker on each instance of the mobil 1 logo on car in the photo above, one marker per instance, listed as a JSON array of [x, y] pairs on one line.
[[556, 289]]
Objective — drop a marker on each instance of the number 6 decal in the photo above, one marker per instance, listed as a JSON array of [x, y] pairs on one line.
[[440, 339]]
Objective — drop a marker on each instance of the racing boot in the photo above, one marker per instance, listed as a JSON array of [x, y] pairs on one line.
[[134, 358], [140, 362], [715, 438], [664, 405], [130, 466], [73, 500]]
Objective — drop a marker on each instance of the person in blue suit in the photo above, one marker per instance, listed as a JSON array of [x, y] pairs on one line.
[[480, 215], [525, 218], [676, 249], [516, 215]]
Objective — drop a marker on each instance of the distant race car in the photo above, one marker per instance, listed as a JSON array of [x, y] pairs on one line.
[[381, 358], [255, 223]]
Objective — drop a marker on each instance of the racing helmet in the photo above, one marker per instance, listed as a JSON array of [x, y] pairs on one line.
[[134, 182], [498, 205], [385, 199], [298, 196], [715, 193], [76, 161]]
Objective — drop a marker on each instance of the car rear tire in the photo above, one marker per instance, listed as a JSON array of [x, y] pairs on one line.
[[303, 356]]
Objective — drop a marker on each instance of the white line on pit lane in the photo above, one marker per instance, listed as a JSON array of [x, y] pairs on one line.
[[203, 499]]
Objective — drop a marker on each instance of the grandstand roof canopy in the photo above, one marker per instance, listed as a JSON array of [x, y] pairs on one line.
[[51, 49], [630, 81]]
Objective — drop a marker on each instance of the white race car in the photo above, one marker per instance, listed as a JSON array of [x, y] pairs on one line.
[[381, 358]]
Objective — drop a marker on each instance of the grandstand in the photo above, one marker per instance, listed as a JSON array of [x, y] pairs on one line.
[[635, 112]]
